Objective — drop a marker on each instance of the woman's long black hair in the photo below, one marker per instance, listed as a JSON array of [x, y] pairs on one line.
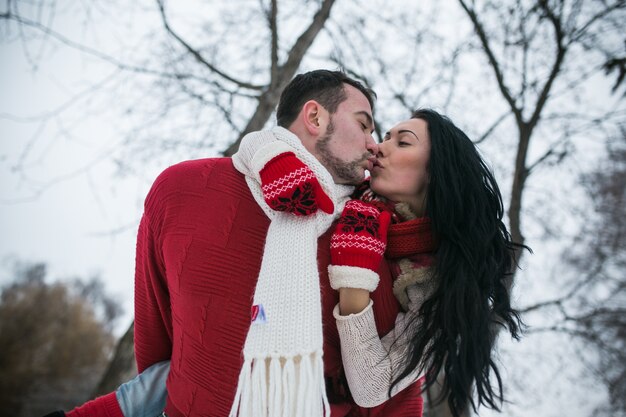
[[457, 326]]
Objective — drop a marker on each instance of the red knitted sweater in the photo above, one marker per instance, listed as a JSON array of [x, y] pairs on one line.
[[199, 251]]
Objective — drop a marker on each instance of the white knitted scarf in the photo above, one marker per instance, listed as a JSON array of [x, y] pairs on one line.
[[283, 371]]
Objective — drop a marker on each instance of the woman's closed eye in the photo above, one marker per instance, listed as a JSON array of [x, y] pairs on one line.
[[406, 139]]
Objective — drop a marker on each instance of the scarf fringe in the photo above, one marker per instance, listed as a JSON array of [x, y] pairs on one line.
[[281, 387]]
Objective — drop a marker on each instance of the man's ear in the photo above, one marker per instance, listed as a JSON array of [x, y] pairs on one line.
[[315, 118]]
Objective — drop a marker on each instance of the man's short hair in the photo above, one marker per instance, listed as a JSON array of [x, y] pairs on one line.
[[324, 86]]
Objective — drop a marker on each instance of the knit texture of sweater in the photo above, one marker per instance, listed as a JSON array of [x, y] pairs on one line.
[[199, 250]]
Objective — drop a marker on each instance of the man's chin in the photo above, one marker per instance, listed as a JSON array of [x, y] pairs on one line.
[[355, 177]]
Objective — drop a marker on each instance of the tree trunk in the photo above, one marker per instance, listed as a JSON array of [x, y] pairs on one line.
[[122, 366], [281, 75]]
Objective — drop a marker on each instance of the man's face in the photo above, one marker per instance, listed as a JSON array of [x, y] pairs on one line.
[[347, 148]]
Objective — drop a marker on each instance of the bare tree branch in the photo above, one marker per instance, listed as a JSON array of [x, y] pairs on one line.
[[285, 72], [484, 40], [491, 128], [556, 66], [549, 153], [24, 22], [272, 16], [582, 31], [198, 56]]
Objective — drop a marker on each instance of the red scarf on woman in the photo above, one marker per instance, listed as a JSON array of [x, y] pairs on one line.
[[407, 240]]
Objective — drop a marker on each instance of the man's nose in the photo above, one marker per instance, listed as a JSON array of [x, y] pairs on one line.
[[379, 149], [371, 145]]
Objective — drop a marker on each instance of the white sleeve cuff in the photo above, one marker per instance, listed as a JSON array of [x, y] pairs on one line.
[[342, 276]]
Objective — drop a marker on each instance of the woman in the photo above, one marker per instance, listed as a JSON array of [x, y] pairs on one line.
[[454, 291], [452, 255]]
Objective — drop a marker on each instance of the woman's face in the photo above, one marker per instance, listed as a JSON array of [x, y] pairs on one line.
[[401, 171]]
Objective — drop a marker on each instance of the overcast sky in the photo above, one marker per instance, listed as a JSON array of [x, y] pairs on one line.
[[61, 202]]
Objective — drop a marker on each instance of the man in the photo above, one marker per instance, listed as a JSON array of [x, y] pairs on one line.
[[201, 244]]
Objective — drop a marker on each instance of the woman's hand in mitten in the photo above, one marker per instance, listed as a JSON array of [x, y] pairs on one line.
[[358, 245]]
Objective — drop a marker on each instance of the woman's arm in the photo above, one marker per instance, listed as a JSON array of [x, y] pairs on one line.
[[372, 363], [353, 300]]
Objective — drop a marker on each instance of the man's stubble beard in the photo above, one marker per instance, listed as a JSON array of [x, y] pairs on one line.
[[343, 172]]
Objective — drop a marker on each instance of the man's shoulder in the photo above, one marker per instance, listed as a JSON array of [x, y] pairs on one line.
[[196, 167], [194, 171], [188, 176]]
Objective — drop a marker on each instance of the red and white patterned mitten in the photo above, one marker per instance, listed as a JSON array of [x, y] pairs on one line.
[[289, 185], [358, 245]]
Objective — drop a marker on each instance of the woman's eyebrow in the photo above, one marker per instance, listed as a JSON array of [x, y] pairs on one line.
[[408, 131]]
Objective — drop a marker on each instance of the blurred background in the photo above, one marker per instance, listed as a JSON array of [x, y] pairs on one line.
[[98, 97]]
